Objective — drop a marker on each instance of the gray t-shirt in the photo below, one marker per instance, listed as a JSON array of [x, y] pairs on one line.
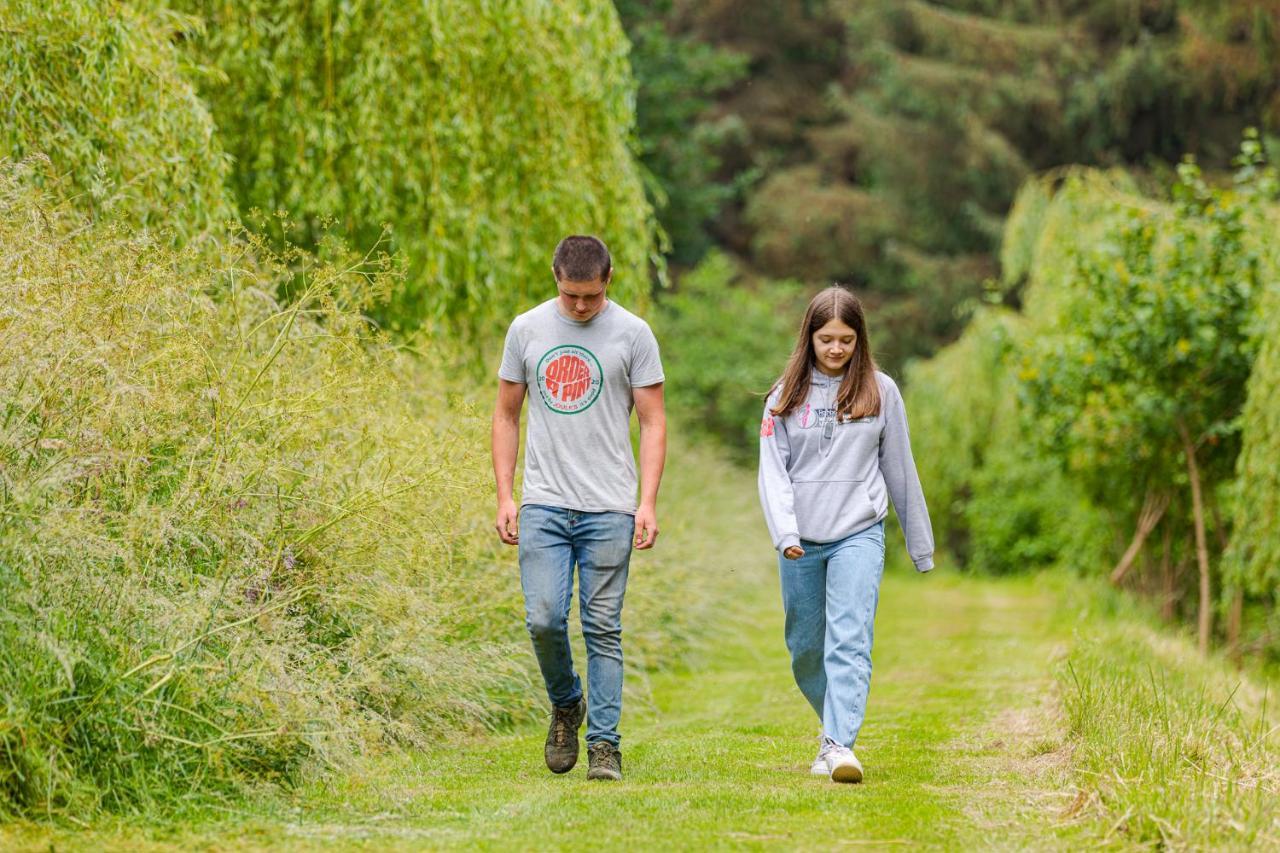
[[580, 375]]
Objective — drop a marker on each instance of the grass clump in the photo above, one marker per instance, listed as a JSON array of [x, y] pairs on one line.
[[1171, 749]]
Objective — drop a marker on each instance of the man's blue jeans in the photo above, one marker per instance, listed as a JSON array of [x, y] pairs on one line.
[[830, 596], [552, 542]]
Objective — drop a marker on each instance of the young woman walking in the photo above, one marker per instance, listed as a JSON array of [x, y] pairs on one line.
[[833, 450]]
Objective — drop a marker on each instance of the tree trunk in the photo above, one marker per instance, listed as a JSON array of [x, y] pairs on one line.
[[1166, 573], [1153, 507], [1202, 547], [1234, 617], [1235, 613]]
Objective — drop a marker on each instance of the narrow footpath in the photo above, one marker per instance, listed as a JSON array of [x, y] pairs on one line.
[[961, 748]]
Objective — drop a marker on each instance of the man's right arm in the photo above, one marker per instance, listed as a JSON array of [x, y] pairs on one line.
[[506, 444]]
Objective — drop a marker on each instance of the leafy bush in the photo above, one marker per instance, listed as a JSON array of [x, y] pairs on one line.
[[724, 344], [478, 134], [1138, 377], [998, 503], [106, 96]]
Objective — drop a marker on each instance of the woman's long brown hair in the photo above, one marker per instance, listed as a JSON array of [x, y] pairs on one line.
[[859, 394]]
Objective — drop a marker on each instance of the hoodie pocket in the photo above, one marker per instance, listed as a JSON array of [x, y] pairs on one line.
[[825, 508]]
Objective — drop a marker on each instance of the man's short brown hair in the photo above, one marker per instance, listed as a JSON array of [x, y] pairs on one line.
[[581, 257]]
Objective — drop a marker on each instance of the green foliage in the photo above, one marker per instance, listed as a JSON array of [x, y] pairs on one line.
[[1130, 362], [104, 94], [476, 134], [678, 78], [240, 541], [1151, 340], [997, 503], [1254, 564], [724, 344]]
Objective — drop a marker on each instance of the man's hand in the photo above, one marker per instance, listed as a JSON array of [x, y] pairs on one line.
[[508, 523], [646, 528], [795, 552]]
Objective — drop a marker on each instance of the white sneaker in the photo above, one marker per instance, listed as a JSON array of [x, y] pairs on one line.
[[838, 761]]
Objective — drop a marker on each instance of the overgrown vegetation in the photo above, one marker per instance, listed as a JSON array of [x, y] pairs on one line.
[[475, 134], [1170, 749], [107, 95], [1112, 405], [242, 540]]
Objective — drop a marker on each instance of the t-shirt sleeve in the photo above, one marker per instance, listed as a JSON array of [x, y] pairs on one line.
[[646, 363], [512, 368]]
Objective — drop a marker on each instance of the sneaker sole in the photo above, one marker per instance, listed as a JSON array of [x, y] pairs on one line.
[[846, 773], [603, 776]]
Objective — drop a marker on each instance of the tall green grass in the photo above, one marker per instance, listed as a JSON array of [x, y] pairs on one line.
[[1171, 750], [241, 541]]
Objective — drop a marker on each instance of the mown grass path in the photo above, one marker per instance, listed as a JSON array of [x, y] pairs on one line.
[[958, 750]]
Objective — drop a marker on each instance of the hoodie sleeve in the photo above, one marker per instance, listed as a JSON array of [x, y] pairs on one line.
[[776, 494], [899, 471]]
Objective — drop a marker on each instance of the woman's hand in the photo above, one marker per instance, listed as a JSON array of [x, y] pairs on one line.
[[795, 552]]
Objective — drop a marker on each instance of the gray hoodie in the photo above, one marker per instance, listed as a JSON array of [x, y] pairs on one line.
[[823, 481]]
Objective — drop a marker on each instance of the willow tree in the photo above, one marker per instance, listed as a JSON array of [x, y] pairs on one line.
[[470, 136], [104, 94], [1253, 567], [1139, 376]]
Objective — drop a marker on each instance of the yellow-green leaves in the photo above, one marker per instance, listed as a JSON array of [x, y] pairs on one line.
[[477, 134], [103, 92]]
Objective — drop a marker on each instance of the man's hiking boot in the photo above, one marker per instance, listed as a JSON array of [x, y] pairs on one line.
[[604, 760], [561, 750]]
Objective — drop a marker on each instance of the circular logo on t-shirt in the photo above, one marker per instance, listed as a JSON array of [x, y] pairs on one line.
[[569, 379]]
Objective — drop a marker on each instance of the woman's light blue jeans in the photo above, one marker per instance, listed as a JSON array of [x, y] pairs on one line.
[[552, 542], [830, 596]]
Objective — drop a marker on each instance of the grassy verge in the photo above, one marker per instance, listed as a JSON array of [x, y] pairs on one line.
[[1172, 750]]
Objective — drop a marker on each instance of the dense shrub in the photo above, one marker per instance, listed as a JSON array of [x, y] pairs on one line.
[[477, 133], [105, 95], [998, 503]]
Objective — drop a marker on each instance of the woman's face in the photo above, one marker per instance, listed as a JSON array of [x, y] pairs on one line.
[[833, 346]]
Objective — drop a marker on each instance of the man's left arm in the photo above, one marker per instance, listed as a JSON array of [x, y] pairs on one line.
[[652, 414]]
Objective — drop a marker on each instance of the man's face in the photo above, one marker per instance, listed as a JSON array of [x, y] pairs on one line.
[[582, 300]]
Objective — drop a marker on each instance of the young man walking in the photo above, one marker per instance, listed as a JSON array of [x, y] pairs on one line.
[[585, 362]]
